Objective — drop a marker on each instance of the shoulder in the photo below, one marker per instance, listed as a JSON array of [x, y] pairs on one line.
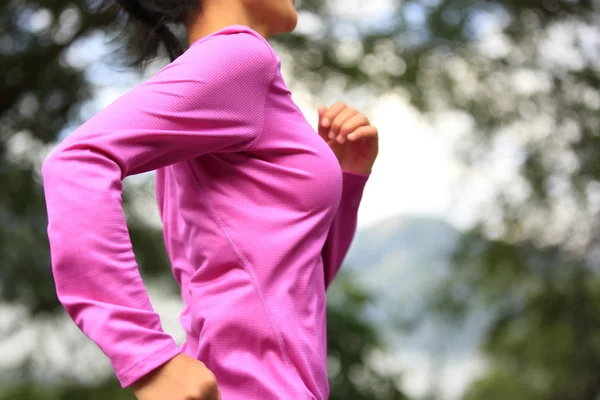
[[233, 53]]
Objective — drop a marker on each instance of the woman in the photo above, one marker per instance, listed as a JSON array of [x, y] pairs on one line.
[[258, 210]]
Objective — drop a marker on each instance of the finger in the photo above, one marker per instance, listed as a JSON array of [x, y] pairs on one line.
[[331, 113], [364, 132], [353, 123], [323, 131], [340, 120], [321, 109]]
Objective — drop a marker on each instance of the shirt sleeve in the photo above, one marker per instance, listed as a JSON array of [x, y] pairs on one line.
[[211, 99], [343, 227]]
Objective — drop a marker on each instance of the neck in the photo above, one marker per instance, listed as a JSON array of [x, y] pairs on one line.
[[212, 18]]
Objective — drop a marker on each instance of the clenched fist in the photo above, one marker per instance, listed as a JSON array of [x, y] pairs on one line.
[[350, 135], [181, 378]]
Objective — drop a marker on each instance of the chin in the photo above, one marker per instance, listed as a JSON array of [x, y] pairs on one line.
[[292, 22], [286, 23]]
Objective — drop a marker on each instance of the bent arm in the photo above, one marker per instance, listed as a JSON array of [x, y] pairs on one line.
[[209, 100]]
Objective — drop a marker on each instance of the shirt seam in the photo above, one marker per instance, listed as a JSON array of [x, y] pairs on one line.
[[246, 264], [264, 108], [264, 42]]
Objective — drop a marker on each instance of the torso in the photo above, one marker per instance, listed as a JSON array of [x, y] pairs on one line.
[[253, 224]]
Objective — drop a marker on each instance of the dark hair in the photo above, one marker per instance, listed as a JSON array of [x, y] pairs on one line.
[[150, 20]]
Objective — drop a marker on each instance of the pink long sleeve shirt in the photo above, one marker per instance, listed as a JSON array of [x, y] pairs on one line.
[[258, 217]]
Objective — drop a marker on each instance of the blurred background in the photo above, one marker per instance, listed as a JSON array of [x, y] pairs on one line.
[[475, 271]]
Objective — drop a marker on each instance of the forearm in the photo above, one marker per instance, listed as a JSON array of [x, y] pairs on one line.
[[343, 227], [97, 279]]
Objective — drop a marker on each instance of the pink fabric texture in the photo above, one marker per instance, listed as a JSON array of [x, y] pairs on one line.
[[258, 217]]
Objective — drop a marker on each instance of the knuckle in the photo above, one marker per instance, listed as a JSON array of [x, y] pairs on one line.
[[211, 382], [209, 379], [208, 384]]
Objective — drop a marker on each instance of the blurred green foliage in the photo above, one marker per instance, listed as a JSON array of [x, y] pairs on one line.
[[525, 71]]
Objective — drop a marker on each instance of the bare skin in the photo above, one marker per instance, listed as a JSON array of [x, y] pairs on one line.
[[267, 17], [181, 378], [349, 133]]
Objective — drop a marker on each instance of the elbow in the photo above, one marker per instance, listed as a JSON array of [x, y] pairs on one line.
[[50, 167], [57, 163], [79, 165]]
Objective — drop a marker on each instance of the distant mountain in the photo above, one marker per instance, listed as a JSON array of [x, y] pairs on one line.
[[402, 258], [400, 263], [430, 238]]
